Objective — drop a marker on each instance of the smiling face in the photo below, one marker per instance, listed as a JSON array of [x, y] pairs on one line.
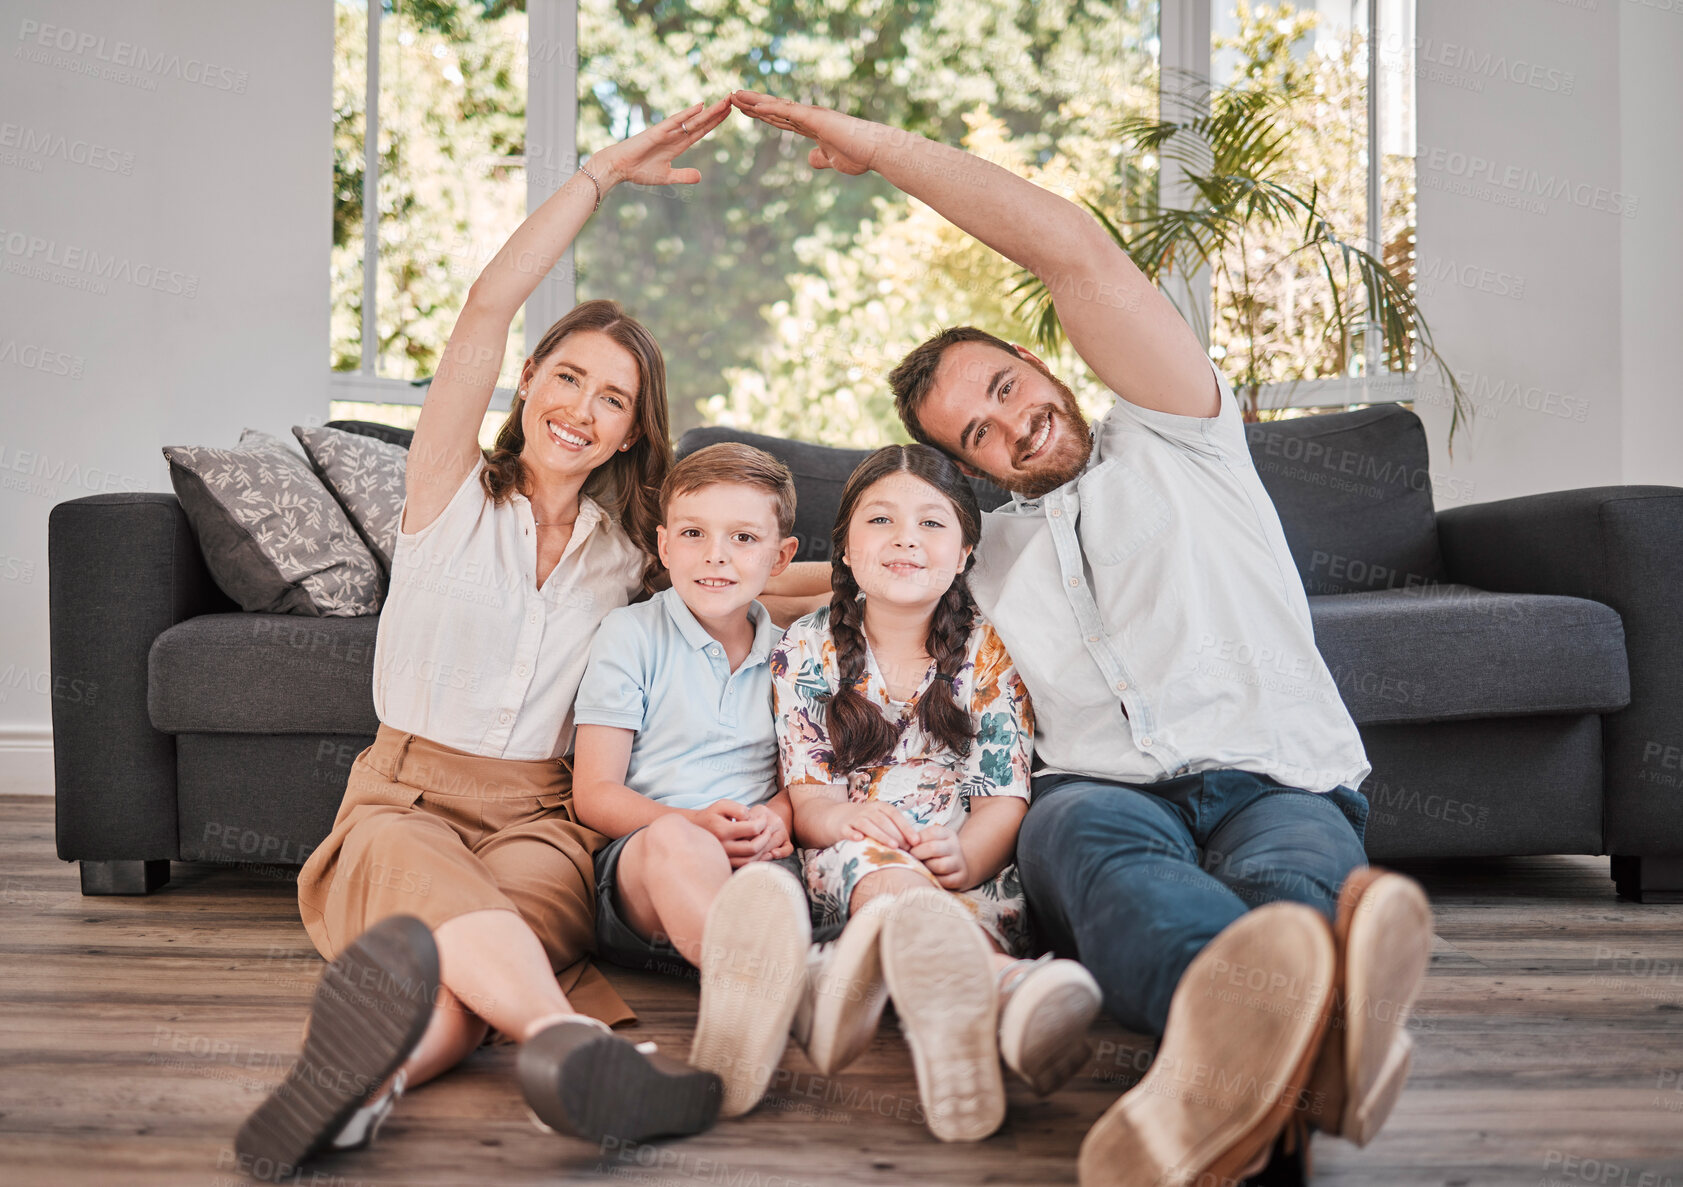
[[905, 543], [1003, 416], [580, 405], [721, 545]]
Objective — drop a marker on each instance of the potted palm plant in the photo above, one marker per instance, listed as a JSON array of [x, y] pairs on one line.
[[1249, 215]]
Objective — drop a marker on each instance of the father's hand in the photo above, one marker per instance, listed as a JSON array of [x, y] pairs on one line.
[[844, 143]]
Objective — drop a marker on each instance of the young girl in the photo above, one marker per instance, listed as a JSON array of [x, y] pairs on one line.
[[905, 738]]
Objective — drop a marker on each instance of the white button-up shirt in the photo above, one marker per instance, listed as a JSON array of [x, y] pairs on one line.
[[470, 652], [1154, 612]]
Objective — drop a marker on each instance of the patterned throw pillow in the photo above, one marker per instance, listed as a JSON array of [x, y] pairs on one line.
[[271, 534], [366, 476]]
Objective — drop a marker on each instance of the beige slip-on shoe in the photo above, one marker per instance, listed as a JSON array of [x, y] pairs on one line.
[[1244, 1028], [845, 993], [1046, 1006], [1384, 938]]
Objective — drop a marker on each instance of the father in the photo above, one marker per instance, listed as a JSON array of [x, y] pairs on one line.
[[1195, 824]]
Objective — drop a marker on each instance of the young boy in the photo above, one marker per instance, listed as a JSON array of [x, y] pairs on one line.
[[676, 758]]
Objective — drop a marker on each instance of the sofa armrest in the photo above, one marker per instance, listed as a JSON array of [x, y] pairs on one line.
[[1621, 546], [121, 570]]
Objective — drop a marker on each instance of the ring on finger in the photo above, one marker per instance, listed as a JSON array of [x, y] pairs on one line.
[[685, 126]]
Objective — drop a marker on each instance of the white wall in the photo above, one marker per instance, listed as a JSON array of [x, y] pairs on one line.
[[1651, 289], [1564, 322], [216, 119], [1548, 139]]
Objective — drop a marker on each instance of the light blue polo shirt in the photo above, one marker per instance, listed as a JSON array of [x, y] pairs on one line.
[[704, 733]]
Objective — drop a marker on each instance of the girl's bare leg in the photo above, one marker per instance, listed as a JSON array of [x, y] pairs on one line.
[[894, 880], [888, 880]]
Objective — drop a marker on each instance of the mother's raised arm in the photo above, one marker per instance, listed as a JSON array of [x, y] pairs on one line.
[[446, 443]]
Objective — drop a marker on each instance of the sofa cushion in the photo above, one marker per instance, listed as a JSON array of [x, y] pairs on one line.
[[1354, 493], [820, 472], [264, 674], [366, 475], [1446, 652], [272, 536]]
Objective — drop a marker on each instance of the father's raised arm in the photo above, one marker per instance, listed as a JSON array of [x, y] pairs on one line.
[[1127, 332]]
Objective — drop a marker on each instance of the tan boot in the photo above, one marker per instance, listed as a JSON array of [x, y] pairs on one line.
[[1384, 937], [1244, 1027]]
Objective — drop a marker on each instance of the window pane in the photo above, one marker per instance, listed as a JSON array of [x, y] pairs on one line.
[[452, 185], [1275, 318], [781, 297]]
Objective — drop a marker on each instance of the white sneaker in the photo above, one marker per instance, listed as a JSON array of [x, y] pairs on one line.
[[1046, 1006], [754, 952], [939, 970], [845, 993]]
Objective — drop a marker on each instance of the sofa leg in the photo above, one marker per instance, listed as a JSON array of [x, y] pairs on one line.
[[1649, 879], [123, 877]]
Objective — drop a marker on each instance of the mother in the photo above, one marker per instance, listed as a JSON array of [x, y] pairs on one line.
[[455, 893]]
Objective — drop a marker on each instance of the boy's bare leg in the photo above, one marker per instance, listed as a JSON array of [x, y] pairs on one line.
[[669, 875]]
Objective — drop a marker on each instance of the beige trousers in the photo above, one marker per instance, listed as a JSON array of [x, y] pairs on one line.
[[435, 832]]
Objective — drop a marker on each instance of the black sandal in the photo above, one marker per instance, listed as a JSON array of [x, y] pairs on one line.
[[369, 1013], [581, 1080]]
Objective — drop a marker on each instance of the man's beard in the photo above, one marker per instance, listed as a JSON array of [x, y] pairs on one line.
[[1074, 445]]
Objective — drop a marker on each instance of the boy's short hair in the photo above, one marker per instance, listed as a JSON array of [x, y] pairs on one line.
[[738, 464]]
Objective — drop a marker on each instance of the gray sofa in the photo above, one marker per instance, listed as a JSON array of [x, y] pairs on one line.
[[1516, 668]]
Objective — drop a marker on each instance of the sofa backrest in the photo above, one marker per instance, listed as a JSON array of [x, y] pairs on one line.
[[373, 428], [1354, 493], [820, 472], [1353, 490]]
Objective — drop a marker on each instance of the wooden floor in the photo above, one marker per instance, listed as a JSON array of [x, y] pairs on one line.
[[135, 1034]]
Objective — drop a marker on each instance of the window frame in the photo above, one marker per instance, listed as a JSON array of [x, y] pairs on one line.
[[1184, 31], [1185, 28], [551, 128]]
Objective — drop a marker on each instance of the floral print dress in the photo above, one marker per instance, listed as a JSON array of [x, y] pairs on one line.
[[925, 780]]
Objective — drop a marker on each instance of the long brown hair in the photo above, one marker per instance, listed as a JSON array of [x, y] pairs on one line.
[[627, 485], [859, 734]]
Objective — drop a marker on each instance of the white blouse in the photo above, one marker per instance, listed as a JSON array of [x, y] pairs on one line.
[[470, 652]]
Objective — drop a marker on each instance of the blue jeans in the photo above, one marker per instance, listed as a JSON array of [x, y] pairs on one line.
[[1133, 881]]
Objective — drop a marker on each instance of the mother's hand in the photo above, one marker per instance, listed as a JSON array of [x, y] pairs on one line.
[[646, 158], [844, 143]]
